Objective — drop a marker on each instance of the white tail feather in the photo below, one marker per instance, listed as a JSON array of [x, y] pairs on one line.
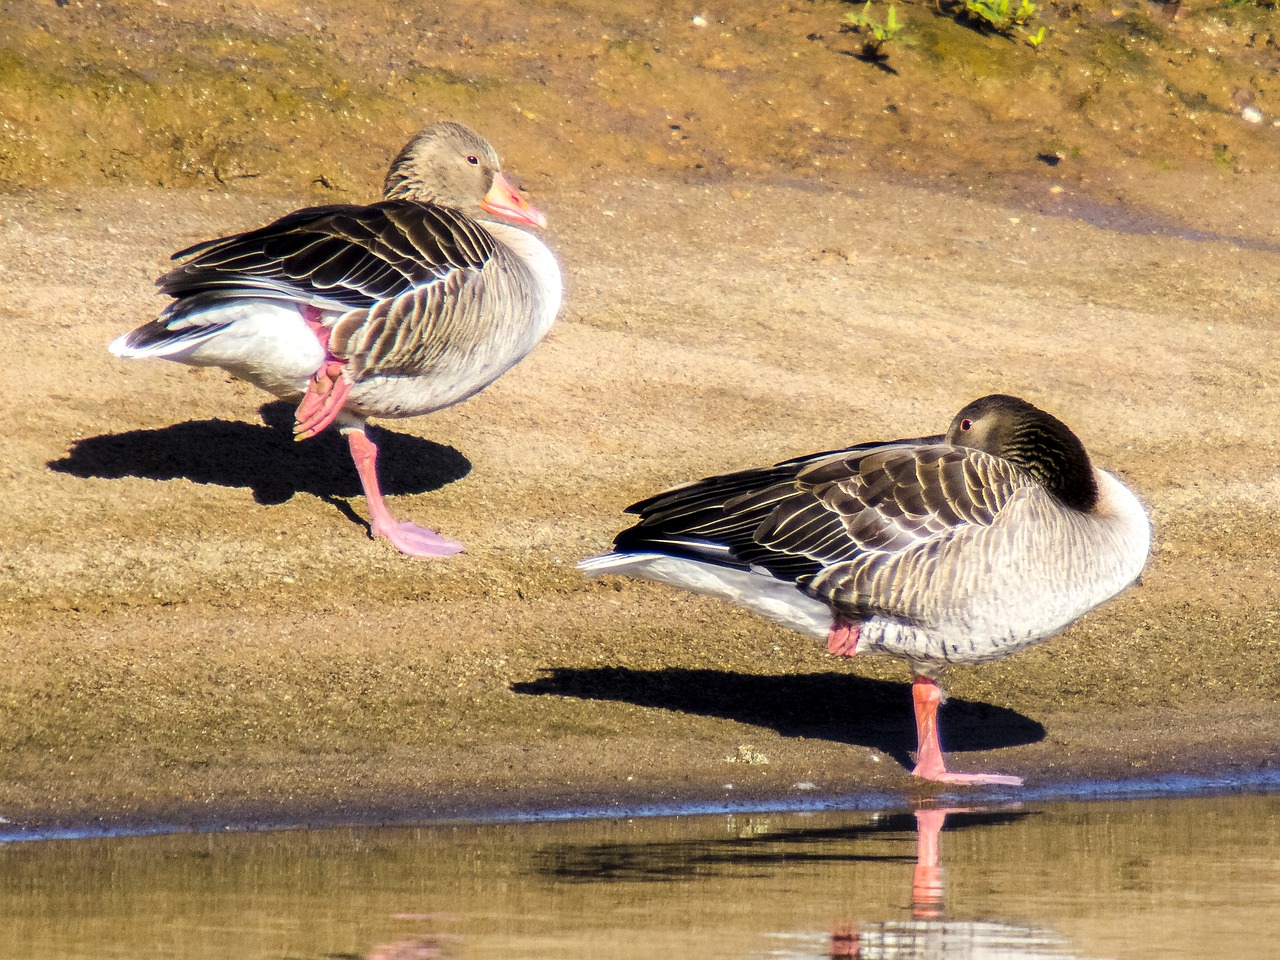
[[262, 341], [778, 600]]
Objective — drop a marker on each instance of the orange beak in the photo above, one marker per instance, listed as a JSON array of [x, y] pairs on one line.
[[504, 201]]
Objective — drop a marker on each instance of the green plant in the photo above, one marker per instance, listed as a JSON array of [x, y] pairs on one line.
[[877, 34], [998, 16]]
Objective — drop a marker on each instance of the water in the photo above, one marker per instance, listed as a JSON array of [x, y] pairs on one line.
[[1166, 878]]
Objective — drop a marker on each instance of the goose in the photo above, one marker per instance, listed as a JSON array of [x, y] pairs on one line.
[[953, 549], [395, 309]]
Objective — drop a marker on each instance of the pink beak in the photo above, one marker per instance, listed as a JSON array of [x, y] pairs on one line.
[[504, 201]]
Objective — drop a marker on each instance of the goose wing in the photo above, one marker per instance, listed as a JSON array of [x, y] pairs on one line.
[[865, 506], [339, 257], [715, 519]]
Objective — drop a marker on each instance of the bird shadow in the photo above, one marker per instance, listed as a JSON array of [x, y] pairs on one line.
[[820, 706], [756, 854], [877, 60], [263, 458]]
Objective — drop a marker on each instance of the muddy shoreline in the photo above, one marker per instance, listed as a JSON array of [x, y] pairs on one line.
[[1255, 775]]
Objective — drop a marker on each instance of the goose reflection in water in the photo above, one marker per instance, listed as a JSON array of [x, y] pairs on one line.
[[928, 935], [432, 946], [756, 848], [413, 948], [945, 940]]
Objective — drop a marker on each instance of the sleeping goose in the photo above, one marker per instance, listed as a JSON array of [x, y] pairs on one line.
[[394, 309], [961, 548]]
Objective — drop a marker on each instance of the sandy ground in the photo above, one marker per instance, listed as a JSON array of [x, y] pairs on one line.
[[197, 627]]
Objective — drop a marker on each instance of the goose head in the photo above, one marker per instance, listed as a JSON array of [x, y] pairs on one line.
[[1040, 443], [453, 166]]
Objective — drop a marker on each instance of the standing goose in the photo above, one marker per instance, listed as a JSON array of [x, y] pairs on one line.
[[394, 309], [961, 548]]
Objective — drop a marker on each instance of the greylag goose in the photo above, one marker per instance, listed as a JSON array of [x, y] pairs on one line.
[[394, 309], [961, 548]]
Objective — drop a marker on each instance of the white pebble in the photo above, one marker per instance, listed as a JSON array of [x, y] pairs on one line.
[[1252, 114]]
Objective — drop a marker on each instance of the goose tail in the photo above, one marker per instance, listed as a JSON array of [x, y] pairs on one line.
[[157, 340]]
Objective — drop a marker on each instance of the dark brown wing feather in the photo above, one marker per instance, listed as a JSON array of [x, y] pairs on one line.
[[801, 516], [332, 256]]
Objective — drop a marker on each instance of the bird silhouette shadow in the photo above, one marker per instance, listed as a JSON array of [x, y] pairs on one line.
[[819, 706], [263, 458]]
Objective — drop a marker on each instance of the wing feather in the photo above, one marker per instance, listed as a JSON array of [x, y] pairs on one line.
[[846, 526], [350, 257]]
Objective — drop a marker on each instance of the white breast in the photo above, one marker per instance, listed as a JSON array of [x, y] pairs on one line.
[[542, 264]]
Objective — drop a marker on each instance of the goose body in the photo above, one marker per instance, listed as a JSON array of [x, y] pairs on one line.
[[961, 548], [394, 309]]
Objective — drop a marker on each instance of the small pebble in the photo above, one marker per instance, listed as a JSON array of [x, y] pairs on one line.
[[1251, 114], [698, 20]]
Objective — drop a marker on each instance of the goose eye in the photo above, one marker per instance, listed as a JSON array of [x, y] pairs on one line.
[[473, 160], [966, 424]]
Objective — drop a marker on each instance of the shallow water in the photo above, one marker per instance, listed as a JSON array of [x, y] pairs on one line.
[[1167, 878]]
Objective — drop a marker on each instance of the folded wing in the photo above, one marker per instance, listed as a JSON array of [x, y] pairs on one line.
[[865, 514]]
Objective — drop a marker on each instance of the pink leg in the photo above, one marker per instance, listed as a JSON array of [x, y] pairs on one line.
[[843, 639], [929, 765], [926, 881], [844, 942], [327, 391], [406, 537]]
